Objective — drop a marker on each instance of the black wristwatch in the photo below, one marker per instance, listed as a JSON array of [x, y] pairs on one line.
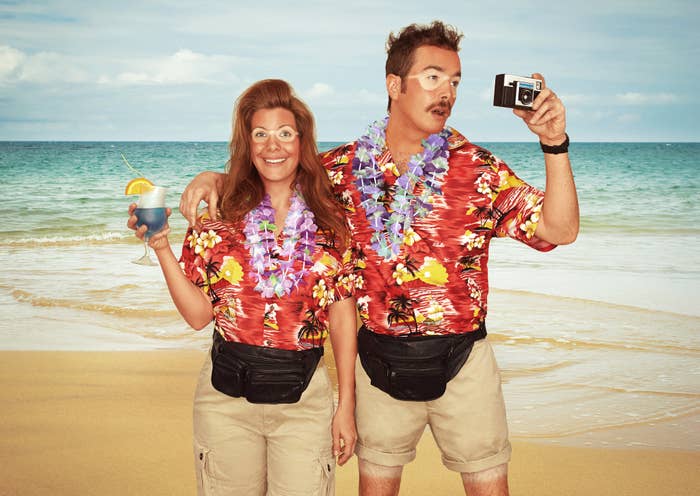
[[563, 148]]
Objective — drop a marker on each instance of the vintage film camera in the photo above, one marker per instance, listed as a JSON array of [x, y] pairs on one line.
[[515, 91]]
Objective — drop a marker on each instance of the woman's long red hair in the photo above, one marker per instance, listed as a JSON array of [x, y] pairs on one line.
[[243, 189]]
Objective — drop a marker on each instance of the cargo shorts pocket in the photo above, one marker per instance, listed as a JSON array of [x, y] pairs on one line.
[[202, 464], [327, 466]]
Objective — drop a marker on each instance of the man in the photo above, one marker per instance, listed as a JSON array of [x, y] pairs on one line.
[[424, 204]]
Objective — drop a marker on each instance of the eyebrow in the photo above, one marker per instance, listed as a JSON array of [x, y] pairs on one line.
[[270, 129], [441, 69]]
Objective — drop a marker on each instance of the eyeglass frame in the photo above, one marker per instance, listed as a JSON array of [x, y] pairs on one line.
[[275, 133], [432, 71]]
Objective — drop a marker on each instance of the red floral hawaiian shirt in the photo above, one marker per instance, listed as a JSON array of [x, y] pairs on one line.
[[438, 284], [216, 259]]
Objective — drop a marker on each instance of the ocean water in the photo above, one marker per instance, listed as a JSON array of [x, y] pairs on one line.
[[598, 341]]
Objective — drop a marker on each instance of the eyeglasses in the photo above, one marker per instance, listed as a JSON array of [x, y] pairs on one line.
[[432, 79], [285, 134]]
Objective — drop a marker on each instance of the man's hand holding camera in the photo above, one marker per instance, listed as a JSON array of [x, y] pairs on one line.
[[547, 119]]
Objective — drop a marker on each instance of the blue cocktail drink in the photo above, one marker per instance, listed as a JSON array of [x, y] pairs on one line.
[[154, 218], [150, 211]]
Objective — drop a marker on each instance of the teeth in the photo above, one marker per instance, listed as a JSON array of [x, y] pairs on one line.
[[274, 160]]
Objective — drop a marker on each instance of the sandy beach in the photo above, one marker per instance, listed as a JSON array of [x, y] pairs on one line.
[[114, 423]]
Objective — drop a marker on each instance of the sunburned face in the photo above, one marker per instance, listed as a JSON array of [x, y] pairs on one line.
[[430, 90], [274, 145]]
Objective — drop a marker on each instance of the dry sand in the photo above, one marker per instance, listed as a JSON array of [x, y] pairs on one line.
[[116, 423]]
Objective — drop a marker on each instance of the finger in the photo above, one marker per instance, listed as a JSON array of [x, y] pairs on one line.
[[537, 75], [188, 210], [141, 232], [336, 443], [191, 215], [131, 222], [547, 110], [523, 114], [348, 451], [213, 203], [181, 206], [538, 116], [544, 95]]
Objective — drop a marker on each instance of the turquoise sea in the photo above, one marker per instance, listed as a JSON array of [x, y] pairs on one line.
[[598, 341]]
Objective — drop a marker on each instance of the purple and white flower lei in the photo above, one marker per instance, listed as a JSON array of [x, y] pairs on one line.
[[273, 266], [431, 165]]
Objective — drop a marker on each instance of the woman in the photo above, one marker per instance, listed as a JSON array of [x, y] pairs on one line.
[[275, 275]]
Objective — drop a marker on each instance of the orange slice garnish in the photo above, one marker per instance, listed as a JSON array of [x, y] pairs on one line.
[[138, 186]]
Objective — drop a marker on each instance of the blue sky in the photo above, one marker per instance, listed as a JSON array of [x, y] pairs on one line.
[[168, 70]]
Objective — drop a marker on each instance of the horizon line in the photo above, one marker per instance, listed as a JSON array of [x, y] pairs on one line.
[[318, 141]]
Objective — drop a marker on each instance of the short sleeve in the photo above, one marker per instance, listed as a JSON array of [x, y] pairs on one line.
[[193, 263], [345, 279], [518, 206]]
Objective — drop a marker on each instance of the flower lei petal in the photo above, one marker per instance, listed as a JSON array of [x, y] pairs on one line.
[[273, 266], [430, 166]]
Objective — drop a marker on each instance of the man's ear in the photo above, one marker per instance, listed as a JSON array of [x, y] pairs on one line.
[[393, 86]]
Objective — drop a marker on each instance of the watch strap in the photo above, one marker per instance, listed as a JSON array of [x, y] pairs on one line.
[[562, 148]]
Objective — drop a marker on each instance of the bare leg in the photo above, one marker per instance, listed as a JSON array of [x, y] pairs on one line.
[[489, 482], [379, 480]]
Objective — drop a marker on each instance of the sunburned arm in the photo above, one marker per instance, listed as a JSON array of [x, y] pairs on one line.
[[343, 326], [206, 187], [559, 219], [191, 302]]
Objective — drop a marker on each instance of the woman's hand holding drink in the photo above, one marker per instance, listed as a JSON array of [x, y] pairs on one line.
[[149, 216]]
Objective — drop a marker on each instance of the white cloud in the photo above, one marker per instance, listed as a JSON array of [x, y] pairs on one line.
[[11, 60], [183, 67], [322, 93], [42, 67], [632, 98], [173, 52], [48, 67], [319, 90]]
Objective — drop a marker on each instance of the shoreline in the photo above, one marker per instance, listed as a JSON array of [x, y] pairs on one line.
[[113, 423]]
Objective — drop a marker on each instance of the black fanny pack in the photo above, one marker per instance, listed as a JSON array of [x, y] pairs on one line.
[[414, 368], [261, 374]]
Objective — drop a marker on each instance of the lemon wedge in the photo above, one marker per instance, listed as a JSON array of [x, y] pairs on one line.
[[138, 186]]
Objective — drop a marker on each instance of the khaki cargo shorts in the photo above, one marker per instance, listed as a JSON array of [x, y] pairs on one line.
[[256, 449], [468, 422]]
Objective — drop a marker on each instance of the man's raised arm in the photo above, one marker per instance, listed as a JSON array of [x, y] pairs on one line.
[[205, 187], [559, 220]]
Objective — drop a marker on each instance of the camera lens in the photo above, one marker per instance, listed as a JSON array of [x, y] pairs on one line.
[[525, 96]]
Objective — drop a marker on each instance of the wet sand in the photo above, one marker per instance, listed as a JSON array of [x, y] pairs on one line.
[[114, 423]]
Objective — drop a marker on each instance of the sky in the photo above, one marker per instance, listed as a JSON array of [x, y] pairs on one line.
[[92, 70]]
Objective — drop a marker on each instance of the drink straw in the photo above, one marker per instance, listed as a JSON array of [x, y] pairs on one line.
[[131, 168]]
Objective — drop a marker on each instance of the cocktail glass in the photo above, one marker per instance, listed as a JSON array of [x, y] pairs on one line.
[[150, 210]]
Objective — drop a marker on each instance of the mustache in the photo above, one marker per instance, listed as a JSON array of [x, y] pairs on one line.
[[442, 105]]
